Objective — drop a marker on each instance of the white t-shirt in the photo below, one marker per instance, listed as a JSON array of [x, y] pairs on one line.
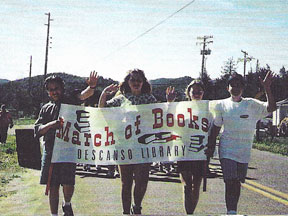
[[239, 120]]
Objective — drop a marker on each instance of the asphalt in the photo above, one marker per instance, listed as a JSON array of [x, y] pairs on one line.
[[165, 192]]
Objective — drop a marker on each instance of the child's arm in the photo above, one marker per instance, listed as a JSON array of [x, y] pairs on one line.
[[170, 94], [89, 91], [266, 83], [107, 91], [56, 124], [212, 141]]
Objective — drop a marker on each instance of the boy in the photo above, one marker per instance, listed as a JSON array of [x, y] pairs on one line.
[[239, 116], [46, 125]]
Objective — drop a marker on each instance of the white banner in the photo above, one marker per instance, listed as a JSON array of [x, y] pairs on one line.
[[133, 134]]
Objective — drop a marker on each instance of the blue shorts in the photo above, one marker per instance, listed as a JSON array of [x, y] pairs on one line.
[[62, 173], [233, 170]]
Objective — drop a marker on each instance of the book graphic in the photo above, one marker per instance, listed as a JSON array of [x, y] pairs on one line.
[[196, 143], [162, 137], [82, 125]]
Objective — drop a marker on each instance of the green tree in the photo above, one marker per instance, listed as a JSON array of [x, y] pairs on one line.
[[230, 67], [283, 73]]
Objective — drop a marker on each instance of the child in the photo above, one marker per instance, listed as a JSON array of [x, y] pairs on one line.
[[46, 125]]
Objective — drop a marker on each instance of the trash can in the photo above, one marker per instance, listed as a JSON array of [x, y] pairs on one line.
[[28, 149]]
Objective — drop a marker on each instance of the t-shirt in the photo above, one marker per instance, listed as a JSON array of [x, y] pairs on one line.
[[239, 120], [130, 99], [5, 119], [50, 112]]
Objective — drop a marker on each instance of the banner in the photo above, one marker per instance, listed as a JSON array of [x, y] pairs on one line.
[[133, 134]]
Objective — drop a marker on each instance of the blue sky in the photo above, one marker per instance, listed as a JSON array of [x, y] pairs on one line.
[[87, 34]]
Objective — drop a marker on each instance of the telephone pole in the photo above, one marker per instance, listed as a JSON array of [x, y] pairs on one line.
[[245, 55], [204, 51], [257, 66], [47, 44], [30, 73], [245, 60], [46, 53]]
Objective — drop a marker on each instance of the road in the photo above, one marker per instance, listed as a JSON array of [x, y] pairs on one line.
[[264, 193]]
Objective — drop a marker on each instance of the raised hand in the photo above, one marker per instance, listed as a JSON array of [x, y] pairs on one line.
[[266, 83], [111, 89], [170, 94], [92, 80]]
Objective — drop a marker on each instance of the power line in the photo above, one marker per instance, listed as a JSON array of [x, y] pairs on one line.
[[150, 29]]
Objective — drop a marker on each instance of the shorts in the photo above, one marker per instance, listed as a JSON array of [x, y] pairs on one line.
[[62, 173], [195, 167], [233, 170]]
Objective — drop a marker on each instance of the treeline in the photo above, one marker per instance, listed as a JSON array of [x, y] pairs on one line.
[[25, 96]]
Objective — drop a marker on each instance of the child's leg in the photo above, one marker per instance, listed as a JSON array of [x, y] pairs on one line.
[[54, 199], [68, 191]]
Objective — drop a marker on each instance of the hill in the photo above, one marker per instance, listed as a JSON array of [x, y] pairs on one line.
[[159, 87], [4, 81], [25, 95], [172, 81]]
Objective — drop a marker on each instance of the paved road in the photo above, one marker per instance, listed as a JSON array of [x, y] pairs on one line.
[[267, 177], [264, 193]]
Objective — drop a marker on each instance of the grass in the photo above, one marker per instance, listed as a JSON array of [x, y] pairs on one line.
[[24, 121], [9, 168], [278, 145]]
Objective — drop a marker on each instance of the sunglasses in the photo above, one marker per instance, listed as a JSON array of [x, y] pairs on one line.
[[197, 92], [132, 79]]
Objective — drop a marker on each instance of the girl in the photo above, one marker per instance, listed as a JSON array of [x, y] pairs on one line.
[[191, 172], [134, 90]]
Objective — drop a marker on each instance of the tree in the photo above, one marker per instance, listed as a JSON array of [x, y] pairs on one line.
[[209, 86], [283, 73], [229, 67]]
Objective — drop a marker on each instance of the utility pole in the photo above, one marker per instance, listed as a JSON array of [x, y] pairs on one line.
[[245, 60], [204, 51], [257, 65], [30, 73], [46, 53], [245, 54]]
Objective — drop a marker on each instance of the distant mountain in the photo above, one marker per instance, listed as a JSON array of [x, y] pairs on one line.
[[172, 81], [4, 81], [26, 94], [159, 87]]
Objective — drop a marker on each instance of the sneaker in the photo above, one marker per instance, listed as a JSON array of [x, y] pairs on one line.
[[231, 212], [67, 210], [136, 209]]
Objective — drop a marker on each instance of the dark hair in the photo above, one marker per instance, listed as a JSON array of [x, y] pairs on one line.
[[56, 79], [194, 82], [146, 87], [236, 76], [3, 106]]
